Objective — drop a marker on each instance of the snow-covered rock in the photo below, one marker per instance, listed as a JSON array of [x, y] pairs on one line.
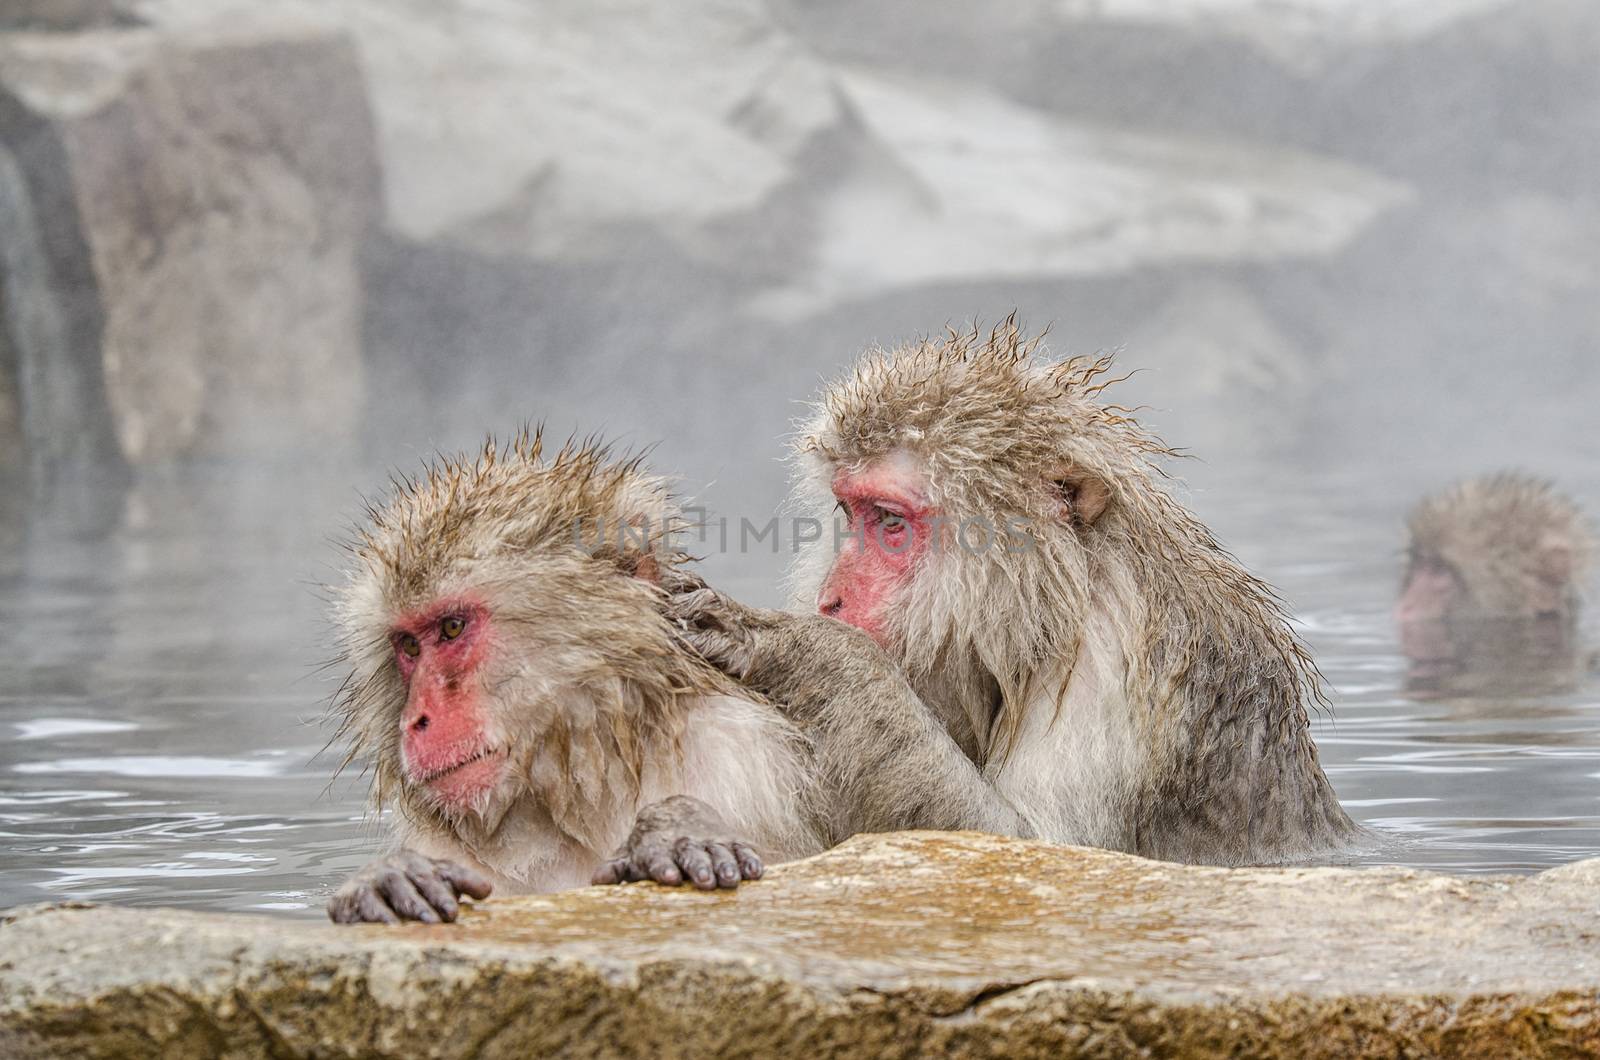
[[1303, 34], [532, 128], [182, 214], [970, 185]]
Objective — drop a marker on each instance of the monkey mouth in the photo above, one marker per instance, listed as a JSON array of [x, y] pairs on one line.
[[467, 779], [444, 771]]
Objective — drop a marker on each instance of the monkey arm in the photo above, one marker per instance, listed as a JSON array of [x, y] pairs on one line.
[[682, 838], [892, 764]]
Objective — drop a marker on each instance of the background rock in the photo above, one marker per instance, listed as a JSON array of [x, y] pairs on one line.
[[10, 410], [187, 222], [975, 186], [902, 945], [66, 14], [537, 130]]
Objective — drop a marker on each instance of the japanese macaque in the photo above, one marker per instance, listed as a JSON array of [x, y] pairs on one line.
[[1117, 677], [525, 699], [1493, 583]]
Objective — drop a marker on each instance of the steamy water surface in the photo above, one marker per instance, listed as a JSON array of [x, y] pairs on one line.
[[160, 697]]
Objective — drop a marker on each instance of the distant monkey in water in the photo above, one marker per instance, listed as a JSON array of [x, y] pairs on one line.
[[1116, 676], [527, 703], [1493, 585]]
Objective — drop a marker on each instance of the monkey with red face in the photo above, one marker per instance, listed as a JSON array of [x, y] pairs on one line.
[[1118, 679], [527, 702]]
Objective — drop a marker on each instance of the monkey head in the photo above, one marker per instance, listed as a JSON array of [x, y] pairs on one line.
[[1494, 572], [501, 620], [1498, 546]]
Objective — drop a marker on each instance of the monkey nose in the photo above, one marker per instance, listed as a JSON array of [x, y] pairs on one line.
[[419, 723], [829, 604]]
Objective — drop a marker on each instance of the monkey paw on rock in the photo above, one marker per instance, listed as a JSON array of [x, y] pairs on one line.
[[406, 886], [680, 839]]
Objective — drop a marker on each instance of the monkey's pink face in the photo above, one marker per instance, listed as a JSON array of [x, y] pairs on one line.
[[448, 744], [1431, 593], [891, 524], [1432, 590]]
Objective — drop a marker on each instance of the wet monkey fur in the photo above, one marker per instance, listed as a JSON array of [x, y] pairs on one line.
[[522, 692], [1118, 679]]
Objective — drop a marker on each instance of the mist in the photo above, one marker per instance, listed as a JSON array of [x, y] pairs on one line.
[[1331, 234]]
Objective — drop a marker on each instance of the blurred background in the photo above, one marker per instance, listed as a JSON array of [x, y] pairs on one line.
[[255, 257]]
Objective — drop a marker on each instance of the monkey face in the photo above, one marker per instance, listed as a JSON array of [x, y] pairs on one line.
[[496, 610], [1432, 590], [499, 666], [905, 557], [890, 524], [1433, 608], [450, 746]]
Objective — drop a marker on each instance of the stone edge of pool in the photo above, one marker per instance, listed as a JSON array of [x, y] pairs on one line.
[[892, 945]]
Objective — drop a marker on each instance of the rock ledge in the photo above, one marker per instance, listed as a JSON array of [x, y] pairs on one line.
[[896, 945]]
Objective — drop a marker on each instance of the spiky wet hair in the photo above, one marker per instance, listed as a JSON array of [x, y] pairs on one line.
[[509, 499], [524, 529], [987, 414], [995, 424], [1518, 545]]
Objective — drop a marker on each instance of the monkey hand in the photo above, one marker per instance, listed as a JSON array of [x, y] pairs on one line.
[[719, 628], [676, 581], [677, 839], [406, 886], [777, 653]]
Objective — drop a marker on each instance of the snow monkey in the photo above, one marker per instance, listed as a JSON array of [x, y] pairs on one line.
[[524, 698], [1116, 675], [1494, 574]]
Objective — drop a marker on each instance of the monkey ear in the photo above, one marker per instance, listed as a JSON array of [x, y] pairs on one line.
[[1555, 558], [1554, 566], [1080, 496], [648, 568]]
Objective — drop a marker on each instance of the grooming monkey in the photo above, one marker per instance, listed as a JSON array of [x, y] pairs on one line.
[[1116, 675], [527, 703], [1493, 583]]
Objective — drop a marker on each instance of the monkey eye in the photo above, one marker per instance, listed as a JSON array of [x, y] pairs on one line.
[[408, 644], [450, 627], [892, 522], [843, 509]]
